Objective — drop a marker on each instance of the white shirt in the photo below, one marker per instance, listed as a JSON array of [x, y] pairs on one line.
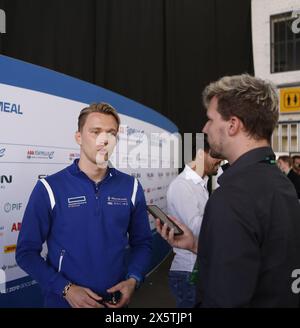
[[187, 196]]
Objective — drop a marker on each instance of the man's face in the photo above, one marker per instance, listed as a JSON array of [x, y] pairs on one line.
[[211, 164], [283, 166], [215, 128], [297, 165], [97, 138]]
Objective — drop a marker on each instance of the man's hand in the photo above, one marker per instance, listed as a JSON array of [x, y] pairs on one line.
[[185, 241], [81, 297], [126, 288]]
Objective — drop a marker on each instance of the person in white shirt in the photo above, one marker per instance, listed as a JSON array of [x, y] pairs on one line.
[[186, 199]]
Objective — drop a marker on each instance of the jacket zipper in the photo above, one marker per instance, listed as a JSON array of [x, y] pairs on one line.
[[97, 192], [97, 199], [62, 254]]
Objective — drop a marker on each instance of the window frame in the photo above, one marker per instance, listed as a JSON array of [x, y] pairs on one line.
[[276, 59]]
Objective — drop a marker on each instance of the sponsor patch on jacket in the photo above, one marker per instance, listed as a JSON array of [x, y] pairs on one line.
[[117, 201], [76, 201]]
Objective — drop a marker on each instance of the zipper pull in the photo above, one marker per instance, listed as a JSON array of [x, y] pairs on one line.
[[62, 254]]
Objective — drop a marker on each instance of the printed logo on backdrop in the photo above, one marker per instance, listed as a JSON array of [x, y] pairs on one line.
[[9, 266], [76, 201], [117, 201], [2, 231], [9, 248], [20, 286], [73, 156], [136, 135], [10, 108], [2, 152], [16, 227], [11, 207], [5, 180], [40, 154]]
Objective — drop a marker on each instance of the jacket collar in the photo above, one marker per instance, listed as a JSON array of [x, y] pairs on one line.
[[261, 154], [75, 170]]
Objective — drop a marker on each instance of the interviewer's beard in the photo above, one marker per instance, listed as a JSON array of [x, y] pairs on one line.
[[215, 154]]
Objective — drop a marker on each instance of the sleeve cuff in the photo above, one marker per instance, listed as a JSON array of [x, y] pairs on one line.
[[58, 284], [137, 279]]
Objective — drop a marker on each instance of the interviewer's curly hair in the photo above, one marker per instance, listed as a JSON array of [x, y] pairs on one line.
[[251, 99]]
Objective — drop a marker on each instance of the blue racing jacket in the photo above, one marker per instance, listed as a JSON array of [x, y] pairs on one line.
[[87, 227]]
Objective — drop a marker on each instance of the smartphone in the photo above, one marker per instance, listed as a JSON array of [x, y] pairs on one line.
[[111, 298], [159, 214]]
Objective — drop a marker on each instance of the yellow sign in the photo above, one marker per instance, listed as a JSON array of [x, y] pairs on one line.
[[10, 249], [290, 100]]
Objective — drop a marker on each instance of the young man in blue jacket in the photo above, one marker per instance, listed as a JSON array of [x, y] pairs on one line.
[[87, 213]]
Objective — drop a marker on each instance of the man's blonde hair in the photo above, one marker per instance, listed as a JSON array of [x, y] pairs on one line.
[[251, 99], [102, 107]]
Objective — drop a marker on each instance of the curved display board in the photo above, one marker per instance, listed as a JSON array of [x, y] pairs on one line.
[[38, 113]]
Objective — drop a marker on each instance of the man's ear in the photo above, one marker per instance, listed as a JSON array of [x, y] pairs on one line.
[[234, 125], [78, 137]]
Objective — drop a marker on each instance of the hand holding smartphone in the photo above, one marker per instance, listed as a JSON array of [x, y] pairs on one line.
[[157, 213], [111, 298]]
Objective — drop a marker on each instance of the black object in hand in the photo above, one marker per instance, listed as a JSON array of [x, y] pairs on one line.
[[156, 212], [112, 298]]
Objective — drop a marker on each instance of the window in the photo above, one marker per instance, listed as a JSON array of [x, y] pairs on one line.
[[285, 45], [286, 137]]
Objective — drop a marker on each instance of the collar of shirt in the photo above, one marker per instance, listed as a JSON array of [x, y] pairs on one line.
[[190, 174], [249, 158], [75, 170]]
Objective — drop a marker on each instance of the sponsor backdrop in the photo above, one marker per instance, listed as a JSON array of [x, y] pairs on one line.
[[38, 117]]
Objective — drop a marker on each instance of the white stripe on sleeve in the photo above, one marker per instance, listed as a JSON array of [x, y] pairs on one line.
[[135, 187], [50, 192]]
